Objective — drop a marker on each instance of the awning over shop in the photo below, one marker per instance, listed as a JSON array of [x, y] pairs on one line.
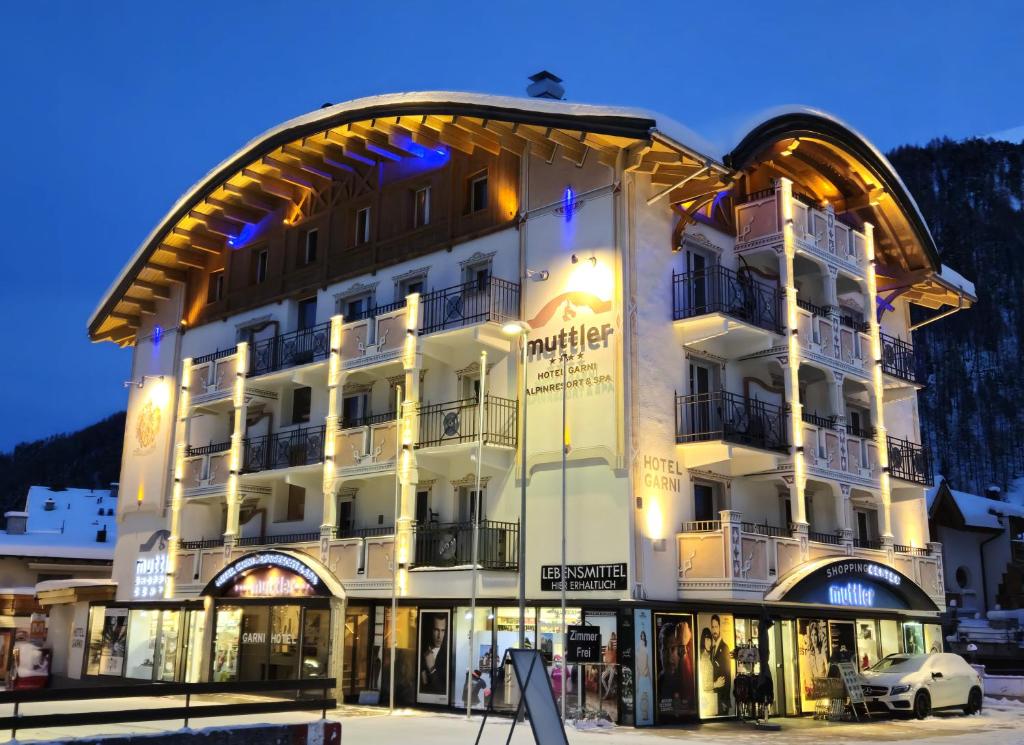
[[851, 583], [61, 591]]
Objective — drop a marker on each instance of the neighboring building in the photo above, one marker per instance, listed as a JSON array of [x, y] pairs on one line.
[[983, 555], [741, 404], [63, 540]]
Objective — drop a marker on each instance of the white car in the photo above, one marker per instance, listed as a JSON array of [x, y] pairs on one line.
[[922, 683]]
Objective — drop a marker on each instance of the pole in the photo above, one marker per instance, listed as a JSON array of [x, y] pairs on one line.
[[476, 520], [394, 552], [565, 450], [522, 502]]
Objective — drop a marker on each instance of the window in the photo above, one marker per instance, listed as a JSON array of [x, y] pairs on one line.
[[470, 385], [356, 308], [346, 522], [260, 269], [468, 504], [476, 197], [301, 403], [363, 226], [409, 286], [307, 313], [704, 502], [478, 275], [312, 238], [215, 290], [963, 577], [296, 509], [353, 409], [421, 207], [423, 513]]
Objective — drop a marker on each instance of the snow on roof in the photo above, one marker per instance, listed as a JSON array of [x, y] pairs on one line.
[[66, 530], [67, 584], [957, 281], [978, 511]]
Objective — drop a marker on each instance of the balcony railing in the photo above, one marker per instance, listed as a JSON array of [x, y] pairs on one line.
[[868, 543], [375, 532], [855, 322], [271, 540], [213, 356], [290, 350], [912, 550], [814, 310], [366, 420], [458, 422], [492, 299], [451, 544], [702, 526], [201, 544], [297, 447], [819, 421], [867, 433], [909, 461], [829, 538], [217, 447], [718, 289], [898, 358], [770, 531], [731, 417]]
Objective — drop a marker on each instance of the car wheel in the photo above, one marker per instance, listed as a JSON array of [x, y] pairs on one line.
[[974, 702], [922, 705]]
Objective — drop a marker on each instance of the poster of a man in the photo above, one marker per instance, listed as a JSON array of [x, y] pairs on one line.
[[675, 693], [433, 657], [717, 638]]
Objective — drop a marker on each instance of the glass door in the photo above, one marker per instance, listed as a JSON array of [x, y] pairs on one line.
[[355, 665], [284, 642]]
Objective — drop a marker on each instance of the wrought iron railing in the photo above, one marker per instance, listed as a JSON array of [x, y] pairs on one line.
[[912, 550], [728, 416], [718, 289], [218, 355], [201, 544], [451, 544], [770, 531], [366, 420], [909, 461], [814, 310], [819, 421], [755, 196], [898, 358], [296, 447], [290, 350], [868, 433], [867, 543], [855, 323], [271, 540], [817, 537], [375, 532], [492, 299], [702, 526], [217, 447], [458, 421]]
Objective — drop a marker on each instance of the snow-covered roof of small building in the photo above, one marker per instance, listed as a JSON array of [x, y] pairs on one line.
[[977, 511], [64, 524]]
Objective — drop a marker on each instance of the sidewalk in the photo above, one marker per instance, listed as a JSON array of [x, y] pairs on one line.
[[1001, 722]]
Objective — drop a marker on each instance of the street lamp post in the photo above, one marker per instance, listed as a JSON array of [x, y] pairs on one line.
[[522, 331]]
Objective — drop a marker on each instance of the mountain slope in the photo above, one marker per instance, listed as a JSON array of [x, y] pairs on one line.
[[972, 410]]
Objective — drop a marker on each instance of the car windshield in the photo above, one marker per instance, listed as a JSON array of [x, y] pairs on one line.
[[897, 663]]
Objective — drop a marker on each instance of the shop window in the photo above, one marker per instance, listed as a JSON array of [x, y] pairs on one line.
[[867, 643], [889, 635], [476, 192], [812, 659], [142, 637], [296, 507], [196, 625], [284, 642], [226, 644], [406, 664], [715, 674], [310, 248], [108, 634], [302, 401], [913, 638], [316, 633], [433, 656], [215, 288], [421, 207], [363, 226], [476, 665]]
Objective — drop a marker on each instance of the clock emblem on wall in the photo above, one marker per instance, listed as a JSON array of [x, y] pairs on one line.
[[147, 424]]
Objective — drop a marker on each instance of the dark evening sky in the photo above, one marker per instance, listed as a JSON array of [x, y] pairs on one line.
[[109, 110]]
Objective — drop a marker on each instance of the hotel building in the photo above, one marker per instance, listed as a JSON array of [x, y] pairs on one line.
[[332, 334]]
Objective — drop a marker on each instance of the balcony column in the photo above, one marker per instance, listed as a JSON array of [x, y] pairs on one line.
[[791, 361], [234, 501], [732, 522], [877, 385], [408, 475], [335, 387], [181, 434], [844, 513], [939, 589], [838, 404]]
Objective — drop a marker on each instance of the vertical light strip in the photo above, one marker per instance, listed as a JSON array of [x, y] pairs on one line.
[[408, 433], [334, 387], [792, 370], [876, 378], [181, 435], [237, 437]]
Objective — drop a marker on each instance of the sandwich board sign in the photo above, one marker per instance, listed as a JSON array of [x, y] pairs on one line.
[[537, 696]]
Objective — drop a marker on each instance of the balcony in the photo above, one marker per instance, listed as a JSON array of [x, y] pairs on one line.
[[819, 340], [898, 358], [278, 540], [824, 456], [909, 461], [290, 449], [726, 313], [212, 376], [284, 351], [367, 445], [735, 433], [451, 545], [457, 422], [492, 300], [205, 469]]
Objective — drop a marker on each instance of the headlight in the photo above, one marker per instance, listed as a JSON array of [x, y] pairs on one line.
[[899, 689]]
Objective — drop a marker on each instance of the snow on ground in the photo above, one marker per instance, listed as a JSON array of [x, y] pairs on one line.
[[1001, 723]]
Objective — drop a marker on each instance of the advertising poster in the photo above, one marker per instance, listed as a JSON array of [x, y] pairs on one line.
[[112, 645], [601, 681], [715, 643], [676, 681], [867, 643], [913, 639], [432, 657], [932, 637], [842, 641], [812, 638], [627, 666], [642, 648]]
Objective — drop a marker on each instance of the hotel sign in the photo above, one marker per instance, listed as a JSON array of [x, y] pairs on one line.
[[857, 583], [583, 577], [266, 575]]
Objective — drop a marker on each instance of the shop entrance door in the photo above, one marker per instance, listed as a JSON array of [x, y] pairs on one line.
[[786, 691], [356, 655]]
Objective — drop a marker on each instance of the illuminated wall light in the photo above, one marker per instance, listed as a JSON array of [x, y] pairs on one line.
[[568, 202]]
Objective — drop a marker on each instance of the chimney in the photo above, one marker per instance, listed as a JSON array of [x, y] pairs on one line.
[[114, 486], [17, 522], [545, 85], [101, 535]]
